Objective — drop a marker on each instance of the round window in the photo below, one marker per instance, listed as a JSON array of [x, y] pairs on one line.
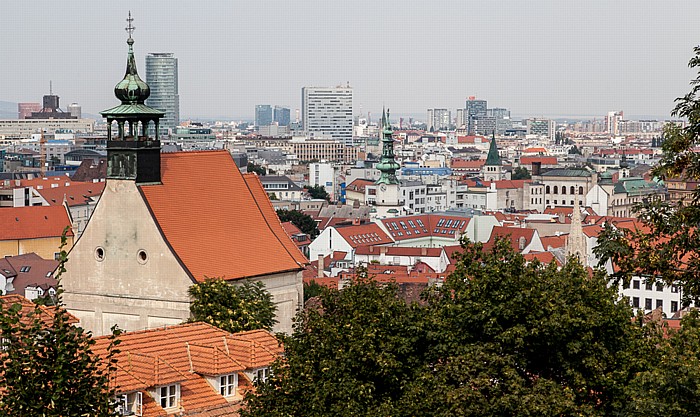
[[142, 256], [99, 254]]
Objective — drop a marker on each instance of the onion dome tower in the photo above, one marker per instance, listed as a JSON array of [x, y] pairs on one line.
[[131, 154]]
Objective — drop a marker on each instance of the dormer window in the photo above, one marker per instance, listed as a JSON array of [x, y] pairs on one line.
[[262, 374], [227, 384], [169, 395], [130, 404]]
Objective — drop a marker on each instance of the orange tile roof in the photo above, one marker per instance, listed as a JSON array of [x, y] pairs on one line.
[[553, 242], [399, 251], [28, 306], [77, 193], [218, 223], [544, 160], [33, 222], [513, 234], [543, 257], [188, 353], [364, 234]]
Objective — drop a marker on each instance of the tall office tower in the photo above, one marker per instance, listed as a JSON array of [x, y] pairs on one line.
[[327, 113], [161, 76], [439, 119], [263, 115], [474, 108], [460, 120], [282, 116]]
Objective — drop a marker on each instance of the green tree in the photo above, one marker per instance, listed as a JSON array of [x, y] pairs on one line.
[[521, 173], [574, 150], [352, 355], [671, 386], [312, 289], [48, 369], [667, 247], [499, 337], [234, 308], [318, 191], [304, 222], [260, 170]]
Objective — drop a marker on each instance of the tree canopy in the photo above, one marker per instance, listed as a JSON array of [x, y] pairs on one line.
[[234, 308], [318, 191], [499, 337], [304, 222], [48, 369], [258, 169], [521, 173]]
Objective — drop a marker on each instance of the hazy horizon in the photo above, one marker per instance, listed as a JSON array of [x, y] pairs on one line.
[[536, 58]]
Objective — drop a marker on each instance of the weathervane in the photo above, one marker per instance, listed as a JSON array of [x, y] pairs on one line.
[[130, 29]]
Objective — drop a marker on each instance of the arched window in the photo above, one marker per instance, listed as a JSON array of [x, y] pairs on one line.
[[563, 189], [548, 191], [580, 190], [573, 190], [556, 190]]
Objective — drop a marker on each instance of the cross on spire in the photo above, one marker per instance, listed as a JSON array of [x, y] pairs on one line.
[[130, 29]]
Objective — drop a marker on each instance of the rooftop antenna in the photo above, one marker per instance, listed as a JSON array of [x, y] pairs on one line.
[[50, 87]]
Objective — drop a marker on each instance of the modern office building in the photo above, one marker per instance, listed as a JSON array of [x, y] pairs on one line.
[[327, 113], [473, 109], [282, 116], [161, 77], [263, 115], [541, 127], [439, 119], [24, 110]]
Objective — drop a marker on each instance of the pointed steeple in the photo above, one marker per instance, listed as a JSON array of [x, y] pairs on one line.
[[493, 158], [576, 242], [387, 165]]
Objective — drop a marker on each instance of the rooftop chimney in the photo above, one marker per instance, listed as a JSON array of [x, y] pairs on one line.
[[320, 266]]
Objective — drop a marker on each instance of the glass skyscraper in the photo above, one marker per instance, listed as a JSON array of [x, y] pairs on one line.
[[161, 76], [263, 115]]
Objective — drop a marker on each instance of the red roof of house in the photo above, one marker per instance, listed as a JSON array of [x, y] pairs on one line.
[[218, 222], [535, 150], [459, 164], [399, 251], [364, 234], [30, 270], [503, 184], [543, 257], [28, 307], [553, 242], [359, 185], [75, 194], [544, 160], [188, 353], [34, 222], [422, 225]]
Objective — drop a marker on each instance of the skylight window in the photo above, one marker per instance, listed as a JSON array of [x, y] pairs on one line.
[[25, 268]]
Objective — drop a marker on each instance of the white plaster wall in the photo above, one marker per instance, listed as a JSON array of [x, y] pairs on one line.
[[120, 289]]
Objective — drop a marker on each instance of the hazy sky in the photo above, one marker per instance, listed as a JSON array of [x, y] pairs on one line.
[[537, 58]]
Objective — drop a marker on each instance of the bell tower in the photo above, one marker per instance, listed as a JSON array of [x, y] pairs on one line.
[[131, 153], [387, 184]]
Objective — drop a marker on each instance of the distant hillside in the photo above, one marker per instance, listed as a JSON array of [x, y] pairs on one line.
[[8, 110]]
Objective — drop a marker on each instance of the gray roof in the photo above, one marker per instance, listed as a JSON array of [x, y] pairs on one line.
[[567, 172]]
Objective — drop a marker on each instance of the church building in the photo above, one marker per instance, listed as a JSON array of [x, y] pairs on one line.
[[168, 221]]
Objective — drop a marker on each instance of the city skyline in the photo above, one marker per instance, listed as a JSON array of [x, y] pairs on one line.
[[537, 59]]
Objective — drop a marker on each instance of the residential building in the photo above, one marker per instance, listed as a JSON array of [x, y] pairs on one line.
[[162, 78], [281, 187], [438, 119], [28, 275], [24, 128], [193, 369], [35, 229], [545, 128], [323, 174], [473, 109], [346, 239], [327, 113]]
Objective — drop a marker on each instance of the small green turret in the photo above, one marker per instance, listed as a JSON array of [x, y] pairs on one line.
[[387, 165]]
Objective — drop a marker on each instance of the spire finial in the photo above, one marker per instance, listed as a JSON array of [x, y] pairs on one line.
[[130, 28]]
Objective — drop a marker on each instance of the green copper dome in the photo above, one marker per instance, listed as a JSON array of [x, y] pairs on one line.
[[132, 89]]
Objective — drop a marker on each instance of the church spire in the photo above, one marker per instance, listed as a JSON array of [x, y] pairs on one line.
[[493, 158], [387, 165], [576, 242]]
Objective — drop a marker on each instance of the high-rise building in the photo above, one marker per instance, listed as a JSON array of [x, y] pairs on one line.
[[263, 115], [612, 122], [282, 116], [541, 127], [474, 108], [327, 113], [439, 119], [75, 110], [161, 76]]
